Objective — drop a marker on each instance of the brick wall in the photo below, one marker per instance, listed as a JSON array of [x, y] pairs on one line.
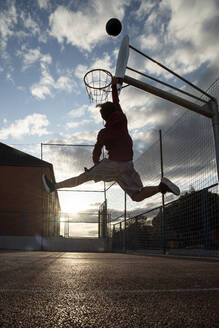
[[24, 205]]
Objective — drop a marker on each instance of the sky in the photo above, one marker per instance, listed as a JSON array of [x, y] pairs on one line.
[[48, 45]]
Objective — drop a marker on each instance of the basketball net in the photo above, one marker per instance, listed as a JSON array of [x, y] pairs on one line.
[[98, 85]]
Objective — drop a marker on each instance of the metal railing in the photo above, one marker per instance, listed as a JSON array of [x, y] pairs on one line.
[[192, 221]]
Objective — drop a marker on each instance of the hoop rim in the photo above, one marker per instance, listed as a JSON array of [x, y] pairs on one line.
[[96, 70]]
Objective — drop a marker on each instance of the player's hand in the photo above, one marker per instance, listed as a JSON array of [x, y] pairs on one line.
[[117, 80]]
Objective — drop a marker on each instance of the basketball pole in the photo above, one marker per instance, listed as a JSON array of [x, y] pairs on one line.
[[172, 72], [203, 110]]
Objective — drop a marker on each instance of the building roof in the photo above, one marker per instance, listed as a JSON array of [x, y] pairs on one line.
[[12, 156]]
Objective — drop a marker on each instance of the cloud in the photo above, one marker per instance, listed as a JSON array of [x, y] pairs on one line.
[[185, 24], [144, 9], [152, 41], [29, 24], [8, 19], [188, 32], [85, 27], [64, 83], [17, 23], [80, 71], [163, 38], [103, 62], [182, 36], [40, 91], [17, 28], [47, 84], [72, 125], [44, 4], [44, 87], [84, 137], [188, 157], [78, 112], [87, 112], [69, 160], [29, 56], [146, 111], [34, 124]]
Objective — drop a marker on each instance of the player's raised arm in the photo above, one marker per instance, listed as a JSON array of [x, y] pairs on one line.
[[116, 83]]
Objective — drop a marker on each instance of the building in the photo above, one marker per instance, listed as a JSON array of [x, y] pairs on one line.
[[26, 209]]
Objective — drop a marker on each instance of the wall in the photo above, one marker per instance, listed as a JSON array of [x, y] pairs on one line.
[[38, 243], [24, 205]]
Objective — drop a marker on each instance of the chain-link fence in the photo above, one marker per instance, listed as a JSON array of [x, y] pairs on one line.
[[80, 206], [185, 154]]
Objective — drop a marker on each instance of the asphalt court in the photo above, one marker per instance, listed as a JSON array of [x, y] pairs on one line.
[[51, 289]]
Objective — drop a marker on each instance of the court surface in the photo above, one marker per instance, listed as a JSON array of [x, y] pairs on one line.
[[49, 289]]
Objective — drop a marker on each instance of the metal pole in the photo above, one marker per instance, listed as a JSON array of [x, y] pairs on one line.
[[215, 124], [163, 201], [66, 145], [203, 110], [105, 204], [120, 236], [125, 214], [99, 224], [161, 153], [136, 231], [42, 203], [167, 85], [161, 229], [172, 72]]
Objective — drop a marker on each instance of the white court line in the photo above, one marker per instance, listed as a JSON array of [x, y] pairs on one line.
[[132, 291]]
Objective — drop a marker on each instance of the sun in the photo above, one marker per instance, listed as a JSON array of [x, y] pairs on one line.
[[73, 202], [76, 208]]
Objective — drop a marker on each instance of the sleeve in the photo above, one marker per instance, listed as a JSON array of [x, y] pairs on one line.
[[98, 147]]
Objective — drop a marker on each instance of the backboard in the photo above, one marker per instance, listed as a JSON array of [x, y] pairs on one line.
[[98, 81], [123, 57]]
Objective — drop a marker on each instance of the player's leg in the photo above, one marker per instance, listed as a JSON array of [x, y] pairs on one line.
[[106, 170], [165, 186], [74, 181], [131, 183], [145, 192], [51, 186]]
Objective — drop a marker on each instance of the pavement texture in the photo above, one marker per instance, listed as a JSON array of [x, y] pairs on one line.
[[49, 289]]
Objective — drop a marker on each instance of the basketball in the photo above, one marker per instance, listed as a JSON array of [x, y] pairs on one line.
[[113, 27]]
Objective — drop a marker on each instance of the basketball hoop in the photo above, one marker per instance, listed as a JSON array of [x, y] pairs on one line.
[[98, 85]]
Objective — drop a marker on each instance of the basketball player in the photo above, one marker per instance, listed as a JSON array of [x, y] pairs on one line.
[[118, 166]]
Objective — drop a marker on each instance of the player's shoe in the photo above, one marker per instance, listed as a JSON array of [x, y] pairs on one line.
[[48, 184], [167, 186]]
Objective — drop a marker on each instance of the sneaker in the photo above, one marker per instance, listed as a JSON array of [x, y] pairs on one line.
[[48, 184], [167, 186]]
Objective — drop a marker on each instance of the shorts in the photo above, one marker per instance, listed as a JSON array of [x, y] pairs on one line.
[[121, 172]]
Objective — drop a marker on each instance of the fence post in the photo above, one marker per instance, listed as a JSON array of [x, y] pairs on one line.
[[206, 219], [98, 223], [125, 232], [136, 234], [215, 125], [163, 201], [161, 228], [120, 235]]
